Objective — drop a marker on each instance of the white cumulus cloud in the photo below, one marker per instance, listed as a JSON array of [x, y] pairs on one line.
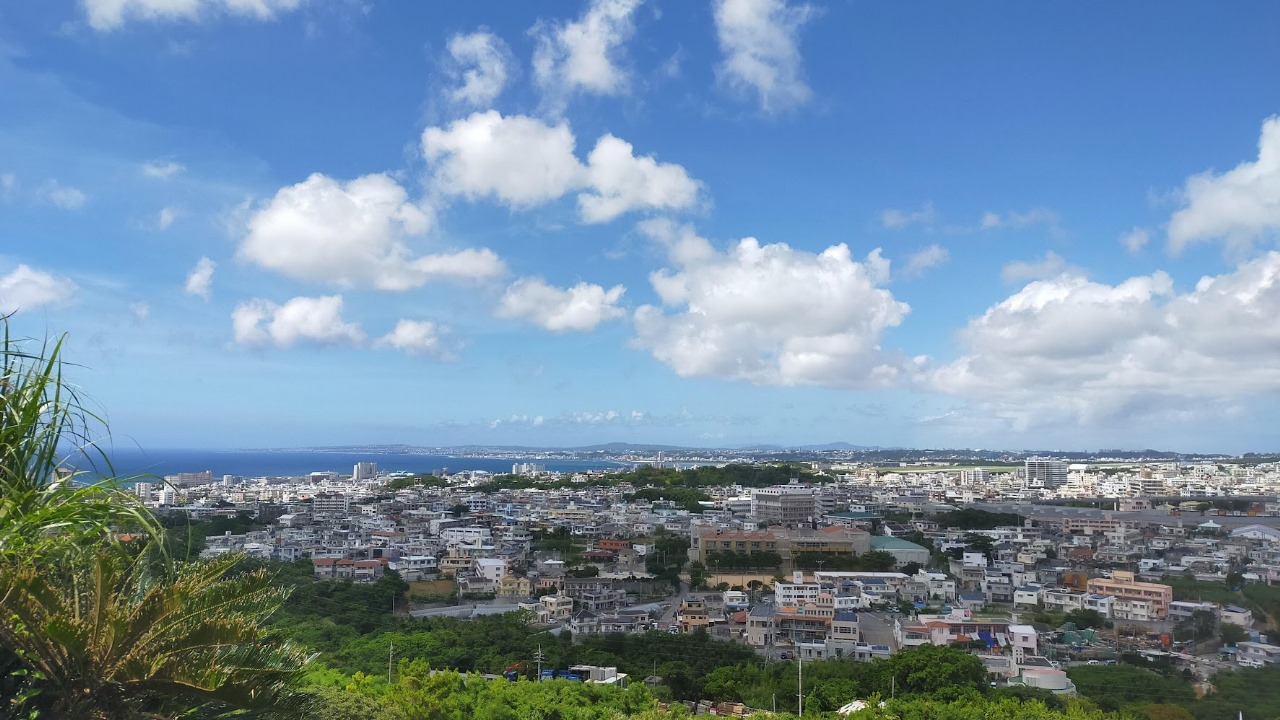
[[479, 62], [419, 337], [317, 320], [352, 234], [926, 258], [104, 15], [1067, 349], [896, 219], [584, 55], [1015, 219], [62, 196], [165, 217], [760, 41], [162, 169], [518, 160], [1052, 264], [523, 162], [200, 279], [1240, 206], [1135, 239], [25, 288], [581, 307], [619, 182], [770, 314]]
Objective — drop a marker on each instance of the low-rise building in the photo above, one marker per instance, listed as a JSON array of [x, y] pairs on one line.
[[1256, 654], [1122, 586]]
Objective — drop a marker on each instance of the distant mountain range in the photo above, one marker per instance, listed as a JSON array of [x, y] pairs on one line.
[[612, 447], [764, 450]]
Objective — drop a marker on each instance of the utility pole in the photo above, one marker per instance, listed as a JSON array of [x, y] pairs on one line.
[[538, 657], [390, 655], [800, 683]]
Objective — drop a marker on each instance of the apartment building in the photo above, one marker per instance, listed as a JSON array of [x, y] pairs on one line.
[[1122, 586], [796, 592], [707, 543], [330, 504], [787, 505], [1092, 526], [807, 623], [1047, 474]]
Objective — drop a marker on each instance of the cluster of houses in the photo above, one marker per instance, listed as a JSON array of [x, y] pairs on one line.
[[762, 544]]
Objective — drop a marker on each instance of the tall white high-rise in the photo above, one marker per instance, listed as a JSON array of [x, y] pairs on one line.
[[1049, 474], [365, 471]]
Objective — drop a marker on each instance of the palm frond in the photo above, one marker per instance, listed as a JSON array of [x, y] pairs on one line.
[[102, 629], [44, 420]]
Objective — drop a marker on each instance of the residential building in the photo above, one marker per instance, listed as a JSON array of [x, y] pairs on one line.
[[330, 504], [693, 614], [760, 626], [559, 608], [1122, 586], [1256, 654], [1047, 474], [810, 622], [1237, 615], [787, 505]]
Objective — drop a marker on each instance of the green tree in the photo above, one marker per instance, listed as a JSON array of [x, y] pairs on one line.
[[1162, 711], [929, 668], [108, 638], [978, 542], [1114, 686], [974, 519], [43, 509], [875, 561], [97, 621], [1086, 618], [1232, 634]]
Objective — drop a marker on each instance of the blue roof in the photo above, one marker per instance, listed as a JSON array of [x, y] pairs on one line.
[[846, 616], [873, 581]]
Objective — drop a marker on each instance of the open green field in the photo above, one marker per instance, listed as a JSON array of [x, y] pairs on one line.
[[432, 587]]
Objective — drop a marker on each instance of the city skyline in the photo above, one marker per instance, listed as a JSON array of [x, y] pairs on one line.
[[296, 224]]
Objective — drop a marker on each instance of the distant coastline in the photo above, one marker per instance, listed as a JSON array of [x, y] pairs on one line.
[[135, 463]]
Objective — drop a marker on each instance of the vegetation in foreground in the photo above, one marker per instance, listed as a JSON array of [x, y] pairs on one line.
[[97, 621]]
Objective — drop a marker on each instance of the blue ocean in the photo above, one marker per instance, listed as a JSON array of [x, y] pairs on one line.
[[134, 463]]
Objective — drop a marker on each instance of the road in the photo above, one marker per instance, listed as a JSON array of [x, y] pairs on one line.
[[1060, 512], [464, 611], [877, 629], [668, 617]]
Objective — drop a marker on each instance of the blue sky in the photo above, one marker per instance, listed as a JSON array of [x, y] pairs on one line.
[[270, 223]]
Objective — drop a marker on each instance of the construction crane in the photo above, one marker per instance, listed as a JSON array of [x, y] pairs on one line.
[[512, 671]]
